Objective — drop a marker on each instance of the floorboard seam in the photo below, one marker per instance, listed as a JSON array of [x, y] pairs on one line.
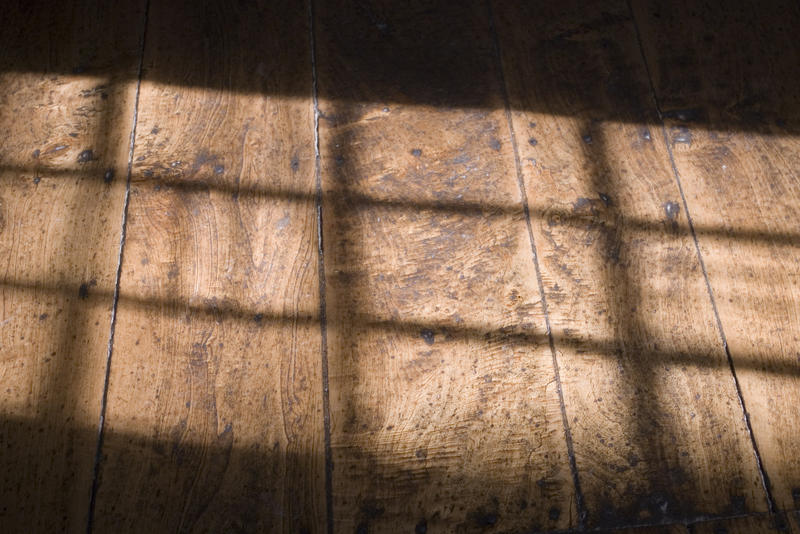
[[762, 472], [580, 504], [323, 321], [115, 303]]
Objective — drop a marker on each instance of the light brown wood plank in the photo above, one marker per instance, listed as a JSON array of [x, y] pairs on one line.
[[67, 87], [657, 427], [444, 408], [215, 419], [726, 79]]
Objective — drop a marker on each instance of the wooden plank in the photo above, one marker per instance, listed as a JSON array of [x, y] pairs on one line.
[[659, 529], [215, 419], [657, 427], [760, 524], [732, 117], [67, 88], [444, 407]]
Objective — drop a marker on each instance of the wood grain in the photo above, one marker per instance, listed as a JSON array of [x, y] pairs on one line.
[[444, 407], [460, 142], [760, 524], [657, 427], [215, 418], [66, 108], [732, 116], [660, 529]]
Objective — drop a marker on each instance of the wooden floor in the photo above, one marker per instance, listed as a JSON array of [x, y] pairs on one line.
[[385, 266]]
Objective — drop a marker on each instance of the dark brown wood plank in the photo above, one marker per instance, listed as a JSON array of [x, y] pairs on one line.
[[67, 88], [444, 408], [660, 529], [215, 420], [726, 78], [657, 427], [759, 524]]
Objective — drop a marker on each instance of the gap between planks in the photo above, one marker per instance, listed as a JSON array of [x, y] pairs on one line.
[[763, 474], [115, 301]]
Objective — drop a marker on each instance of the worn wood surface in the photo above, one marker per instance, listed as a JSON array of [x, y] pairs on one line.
[[732, 116], [660, 529], [215, 415], [66, 107], [648, 392], [761, 524], [439, 124], [444, 408]]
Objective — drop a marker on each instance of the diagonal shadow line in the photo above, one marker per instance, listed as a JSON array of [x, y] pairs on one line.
[[221, 309], [144, 452], [657, 103], [630, 330], [579, 496], [62, 387], [226, 309], [705, 116], [400, 81], [553, 215], [768, 122], [771, 118]]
